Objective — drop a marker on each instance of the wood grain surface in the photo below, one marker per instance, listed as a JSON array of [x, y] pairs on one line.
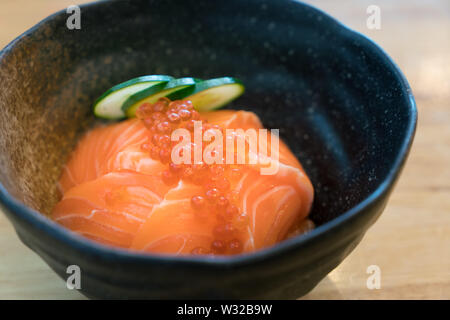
[[410, 242]]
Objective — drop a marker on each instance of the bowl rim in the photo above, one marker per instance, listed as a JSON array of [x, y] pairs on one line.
[[69, 238]]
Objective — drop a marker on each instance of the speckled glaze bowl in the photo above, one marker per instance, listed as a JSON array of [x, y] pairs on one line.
[[341, 104]]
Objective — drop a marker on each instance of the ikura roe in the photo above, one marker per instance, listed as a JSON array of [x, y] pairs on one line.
[[161, 119]]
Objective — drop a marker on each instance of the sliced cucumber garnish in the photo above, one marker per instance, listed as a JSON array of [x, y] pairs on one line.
[[151, 95], [211, 94], [109, 104]]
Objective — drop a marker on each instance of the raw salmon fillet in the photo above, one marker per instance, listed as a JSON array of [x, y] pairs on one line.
[[119, 191]]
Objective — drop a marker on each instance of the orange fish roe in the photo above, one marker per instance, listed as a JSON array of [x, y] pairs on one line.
[[161, 119]]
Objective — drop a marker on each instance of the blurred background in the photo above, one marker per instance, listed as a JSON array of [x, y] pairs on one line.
[[410, 243]]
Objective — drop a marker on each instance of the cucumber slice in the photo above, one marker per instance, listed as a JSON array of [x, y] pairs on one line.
[[211, 94], [109, 104], [151, 95]]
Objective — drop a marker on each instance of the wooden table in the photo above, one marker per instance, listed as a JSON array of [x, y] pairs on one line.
[[410, 242]]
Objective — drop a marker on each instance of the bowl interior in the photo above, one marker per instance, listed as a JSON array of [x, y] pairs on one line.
[[337, 103]]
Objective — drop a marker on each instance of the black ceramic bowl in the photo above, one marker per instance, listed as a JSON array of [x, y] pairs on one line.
[[342, 105]]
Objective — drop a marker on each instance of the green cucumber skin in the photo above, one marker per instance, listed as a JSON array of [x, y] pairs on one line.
[[141, 95], [152, 78], [128, 83], [181, 94], [105, 116], [204, 108], [146, 93], [206, 85]]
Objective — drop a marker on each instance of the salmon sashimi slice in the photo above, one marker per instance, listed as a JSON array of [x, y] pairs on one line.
[[271, 203], [122, 188], [244, 120], [174, 218], [111, 207], [133, 158], [232, 119], [95, 150]]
